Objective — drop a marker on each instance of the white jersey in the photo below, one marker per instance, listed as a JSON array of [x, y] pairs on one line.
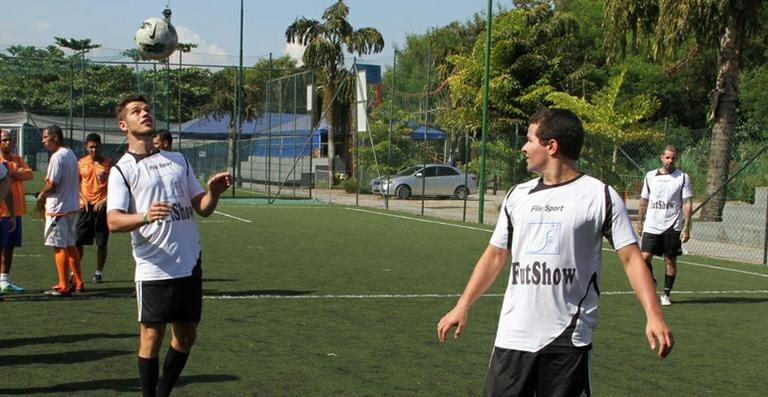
[[64, 173], [555, 236], [665, 194], [162, 249]]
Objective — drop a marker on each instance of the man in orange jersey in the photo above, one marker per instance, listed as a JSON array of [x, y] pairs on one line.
[[59, 197], [18, 171], [92, 221]]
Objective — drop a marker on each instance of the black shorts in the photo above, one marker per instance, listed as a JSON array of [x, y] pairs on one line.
[[92, 225], [665, 244], [170, 301], [519, 373]]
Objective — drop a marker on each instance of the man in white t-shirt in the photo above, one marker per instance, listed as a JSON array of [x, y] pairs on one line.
[[60, 197], [664, 218], [552, 227], [154, 194]]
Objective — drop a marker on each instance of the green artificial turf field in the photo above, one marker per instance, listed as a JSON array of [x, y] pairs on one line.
[[338, 301]]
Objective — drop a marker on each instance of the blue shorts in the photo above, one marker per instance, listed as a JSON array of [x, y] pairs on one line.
[[12, 239]]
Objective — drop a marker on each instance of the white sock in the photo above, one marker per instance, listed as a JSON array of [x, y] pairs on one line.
[[4, 280], [98, 273]]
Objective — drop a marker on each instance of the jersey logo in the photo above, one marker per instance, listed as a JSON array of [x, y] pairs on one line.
[[538, 273], [544, 238]]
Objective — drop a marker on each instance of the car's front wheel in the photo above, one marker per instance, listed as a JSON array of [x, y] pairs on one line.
[[403, 192], [461, 192]]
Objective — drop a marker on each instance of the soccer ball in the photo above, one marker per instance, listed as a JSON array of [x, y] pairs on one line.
[[156, 38]]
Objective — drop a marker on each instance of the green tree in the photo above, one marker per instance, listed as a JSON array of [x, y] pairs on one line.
[[33, 79], [615, 118], [664, 26], [222, 93], [534, 51], [326, 44]]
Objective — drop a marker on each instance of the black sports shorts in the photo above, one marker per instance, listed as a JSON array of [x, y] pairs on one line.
[[555, 374], [173, 300], [92, 225], [665, 244]]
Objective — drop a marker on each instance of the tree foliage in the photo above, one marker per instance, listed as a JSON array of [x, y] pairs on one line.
[[327, 43]]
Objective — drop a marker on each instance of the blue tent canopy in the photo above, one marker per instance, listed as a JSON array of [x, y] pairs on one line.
[[217, 126], [289, 133], [431, 134]]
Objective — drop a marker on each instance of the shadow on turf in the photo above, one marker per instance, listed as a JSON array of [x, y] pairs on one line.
[[126, 385], [96, 293], [59, 339], [73, 357]]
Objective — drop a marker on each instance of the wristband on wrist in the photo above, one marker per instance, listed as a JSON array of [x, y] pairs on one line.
[[146, 220]]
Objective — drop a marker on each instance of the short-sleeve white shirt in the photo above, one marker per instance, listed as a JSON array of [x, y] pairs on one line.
[[665, 194], [554, 233], [163, 249], [63, 172]]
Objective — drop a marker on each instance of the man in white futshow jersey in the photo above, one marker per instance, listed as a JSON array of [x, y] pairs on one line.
[[154, 194], [552, 228]]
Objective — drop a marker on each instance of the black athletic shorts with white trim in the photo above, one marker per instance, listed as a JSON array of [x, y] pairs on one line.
[[170, 301], [558, 373], [92, 225], [665, 244]]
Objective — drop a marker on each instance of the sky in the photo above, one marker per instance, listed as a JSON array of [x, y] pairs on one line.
[[215, 24]]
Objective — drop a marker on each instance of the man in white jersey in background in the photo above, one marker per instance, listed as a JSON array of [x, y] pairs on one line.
[[60, 197], [553, 228], [154, 195], [664, 218]]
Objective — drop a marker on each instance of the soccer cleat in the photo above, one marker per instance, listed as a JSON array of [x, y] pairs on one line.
[[80, 288], [97, 278], [11, 288], [665, 301], [56, 291]]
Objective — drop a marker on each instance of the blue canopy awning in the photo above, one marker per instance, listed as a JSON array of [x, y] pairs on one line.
[[430, 134]]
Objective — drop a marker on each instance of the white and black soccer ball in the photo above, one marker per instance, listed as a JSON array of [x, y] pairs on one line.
[[156, 38]]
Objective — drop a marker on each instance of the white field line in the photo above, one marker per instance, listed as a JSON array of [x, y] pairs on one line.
[[420, 220], [232, 216], [604, 249], [441, 296]]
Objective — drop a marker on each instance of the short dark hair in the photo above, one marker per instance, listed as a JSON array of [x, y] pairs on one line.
[[669, 147], [93, 137], [121, 106], [54, 129], [563, 126], [164, 135]]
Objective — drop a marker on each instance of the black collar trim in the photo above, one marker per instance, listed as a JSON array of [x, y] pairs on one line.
[[541, 186]]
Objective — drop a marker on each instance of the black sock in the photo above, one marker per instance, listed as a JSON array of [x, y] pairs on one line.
[[148, 372], [669, 281], [172, 366]]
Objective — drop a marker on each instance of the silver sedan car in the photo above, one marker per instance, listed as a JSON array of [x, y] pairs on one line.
[[439, 180]]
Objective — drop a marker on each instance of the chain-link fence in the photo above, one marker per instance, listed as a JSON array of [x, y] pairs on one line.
[[282, 145]]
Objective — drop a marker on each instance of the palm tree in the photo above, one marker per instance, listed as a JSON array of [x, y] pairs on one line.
[[607, 115], [326, 43], [720, 24]]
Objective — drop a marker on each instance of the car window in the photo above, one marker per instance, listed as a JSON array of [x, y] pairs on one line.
[[446, 171], [431, 171], [408, 171]]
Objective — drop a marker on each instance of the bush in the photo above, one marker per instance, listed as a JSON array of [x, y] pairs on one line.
[[350, 186]]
